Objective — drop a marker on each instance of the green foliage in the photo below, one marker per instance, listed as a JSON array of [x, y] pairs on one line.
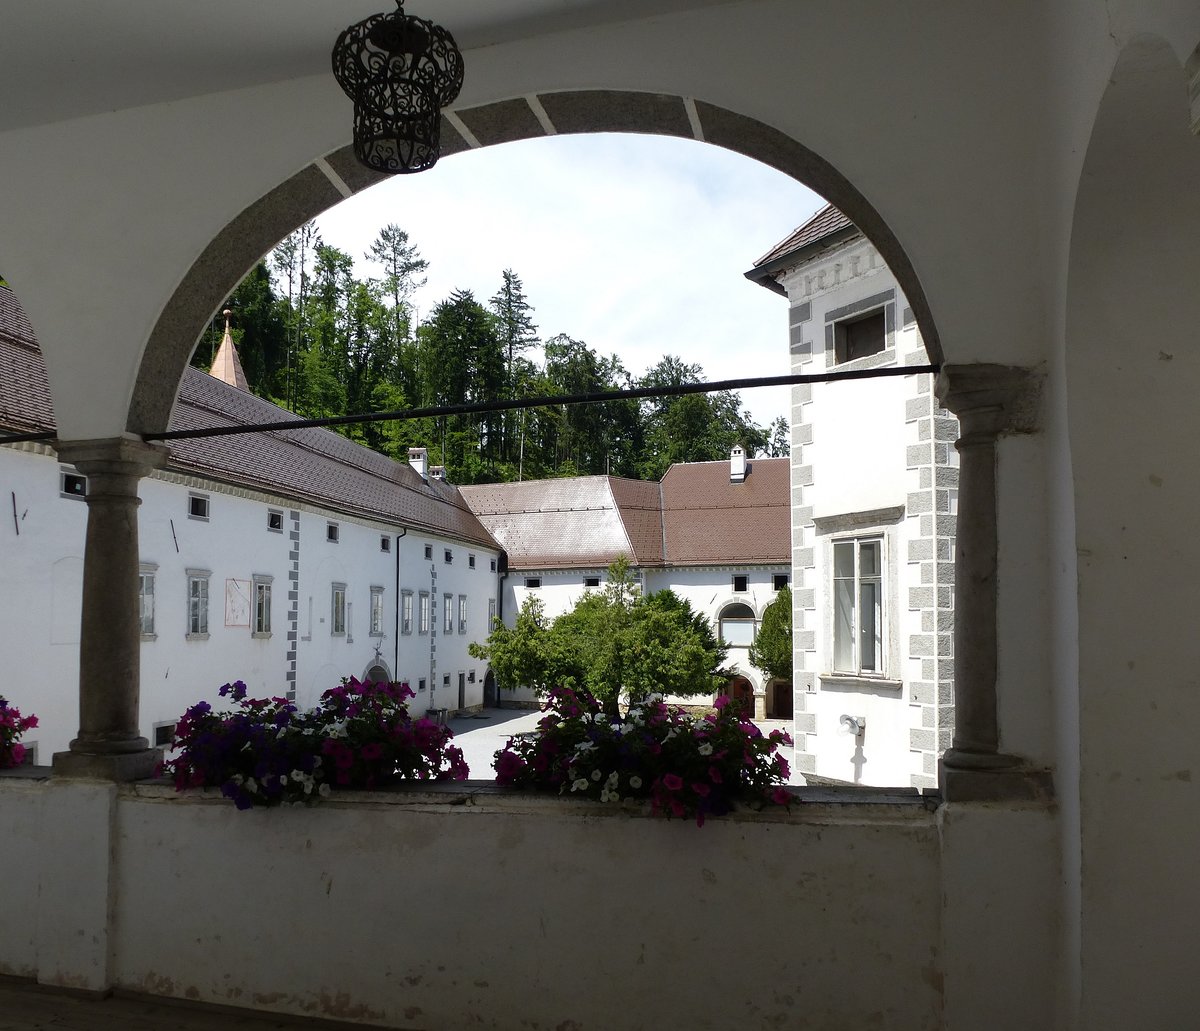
[[321, 341], [772, 648], [614, 641]]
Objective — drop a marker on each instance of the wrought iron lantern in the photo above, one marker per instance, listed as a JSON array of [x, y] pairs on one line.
[[400, 71]]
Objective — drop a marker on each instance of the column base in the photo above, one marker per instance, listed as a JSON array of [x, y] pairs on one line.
[[1008, 782], [118, 767]]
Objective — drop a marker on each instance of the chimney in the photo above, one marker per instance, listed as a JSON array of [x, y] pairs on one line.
[[418, 458], [737, 464], [438, 472]]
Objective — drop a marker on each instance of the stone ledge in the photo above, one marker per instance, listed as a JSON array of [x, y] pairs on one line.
[[1015, 784]]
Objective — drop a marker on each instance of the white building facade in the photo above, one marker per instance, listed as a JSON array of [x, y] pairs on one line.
[[874, 496], [251, 567]]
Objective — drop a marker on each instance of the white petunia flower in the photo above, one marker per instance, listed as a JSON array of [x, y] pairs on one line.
[[595, 774], [705, 749], [324, 790], [580, 785], [635, 782]]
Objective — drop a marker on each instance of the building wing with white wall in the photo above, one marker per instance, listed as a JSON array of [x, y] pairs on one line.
[[874, 489]]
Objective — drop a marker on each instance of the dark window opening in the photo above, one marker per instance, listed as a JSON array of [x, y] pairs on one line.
[[857, 338], [741, 583], [275, 522], [779, 581]]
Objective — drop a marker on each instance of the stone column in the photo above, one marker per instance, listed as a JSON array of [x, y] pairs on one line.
[[990, 401], [109, 746]]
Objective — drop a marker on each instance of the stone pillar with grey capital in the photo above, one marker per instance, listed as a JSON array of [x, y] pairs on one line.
[[990, 401], [108, 746]]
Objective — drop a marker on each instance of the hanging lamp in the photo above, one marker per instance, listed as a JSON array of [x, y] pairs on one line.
[[400, 71]]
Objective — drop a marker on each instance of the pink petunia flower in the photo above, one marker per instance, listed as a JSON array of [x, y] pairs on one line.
[[672, 781]]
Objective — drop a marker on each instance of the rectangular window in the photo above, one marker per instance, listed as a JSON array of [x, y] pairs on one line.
[[533, 582], [779, 581], [333, 532], [337, 609], [491, 623], [146, 600], [445, 680], [197, 581], [860, 336], [858, 606], [72, 485], [429, 551], [421, 684], [423, 614], [591, 581], [448, 614], [406, 612], [462, 613], [274, 521], [385, 543], [164, 734], [376, 612], [470, 561], [741, 583], [260, 626], [448, 556], [198, 506], [492, 565]]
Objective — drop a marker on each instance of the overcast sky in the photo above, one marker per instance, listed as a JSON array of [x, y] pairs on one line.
[[636, 245]]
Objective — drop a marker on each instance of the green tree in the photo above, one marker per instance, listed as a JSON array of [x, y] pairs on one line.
[[614, 641], [772, 648]]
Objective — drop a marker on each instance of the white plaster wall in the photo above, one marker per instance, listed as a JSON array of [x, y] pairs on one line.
[[449, 942]]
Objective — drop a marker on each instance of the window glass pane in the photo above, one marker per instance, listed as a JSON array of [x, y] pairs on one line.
[[843, 559], [868, 559], [843, 624], [738, 632], [870, 635]]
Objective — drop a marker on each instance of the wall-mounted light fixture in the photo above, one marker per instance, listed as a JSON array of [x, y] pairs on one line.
[[400, 72], [853, 725]]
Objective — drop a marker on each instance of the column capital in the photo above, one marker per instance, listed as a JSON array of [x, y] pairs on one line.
[[991, 399], [121, 456]]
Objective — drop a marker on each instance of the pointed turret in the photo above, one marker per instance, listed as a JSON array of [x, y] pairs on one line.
[[227, 366]]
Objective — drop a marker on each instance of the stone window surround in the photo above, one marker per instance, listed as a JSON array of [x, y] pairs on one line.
[[147, 574], [193, 575], [261, 586]]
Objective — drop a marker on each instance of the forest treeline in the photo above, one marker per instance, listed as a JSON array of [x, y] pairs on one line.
[[318, 340]]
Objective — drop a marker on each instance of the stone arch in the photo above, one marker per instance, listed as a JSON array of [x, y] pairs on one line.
[[336, 176], [1131, 374], [376, 672]]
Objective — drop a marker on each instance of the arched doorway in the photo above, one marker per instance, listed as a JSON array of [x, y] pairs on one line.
[[742, 692], [491, 695], [377, 673]]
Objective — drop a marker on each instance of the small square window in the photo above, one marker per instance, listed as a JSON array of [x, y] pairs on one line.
[[741, 583], [421, 684], [860, 336], [197, 506], [275, 521], [470, 561], [533, 582], [429, 551], [164, 734], [332, 532], [385, 543], [591, 581], [72, 485], [448, 556], [779, 581], [445, 680]]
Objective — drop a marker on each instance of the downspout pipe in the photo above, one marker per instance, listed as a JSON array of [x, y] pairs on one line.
[[399, 600]]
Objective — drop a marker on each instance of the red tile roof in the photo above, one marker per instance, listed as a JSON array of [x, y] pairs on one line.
[[824, 223], [313, 465]]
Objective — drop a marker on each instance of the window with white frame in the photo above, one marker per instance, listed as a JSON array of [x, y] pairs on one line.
[[337, 610], [71, 484], [146, 600], [591, 581], [533, 582], [858, 605], [737, 625], [385, 542], [198, 506], [462, 613], [423, 614], [274, 520], [376, 612], [448, 556], [491, 623], [429, 551], [470, 561], [260, 625], [447, 613], [779, 581], [197, 588], [164, 734], [333, 532], [406, 612], [741, 583]]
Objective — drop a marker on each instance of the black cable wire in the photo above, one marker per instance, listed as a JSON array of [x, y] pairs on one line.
[[484, 407]]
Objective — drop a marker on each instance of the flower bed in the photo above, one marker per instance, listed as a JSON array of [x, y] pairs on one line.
[[686, 765], [12, 726], [268, 752]]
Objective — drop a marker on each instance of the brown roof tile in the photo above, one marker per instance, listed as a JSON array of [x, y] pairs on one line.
[[825, 222], [313, 465]]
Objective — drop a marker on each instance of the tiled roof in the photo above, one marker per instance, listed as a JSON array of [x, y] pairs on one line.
[[575, 522], [825, 222], [696, 516], [707, 520], [313, 465]]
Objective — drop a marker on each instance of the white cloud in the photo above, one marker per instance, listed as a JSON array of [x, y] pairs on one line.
[[635, 244]]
